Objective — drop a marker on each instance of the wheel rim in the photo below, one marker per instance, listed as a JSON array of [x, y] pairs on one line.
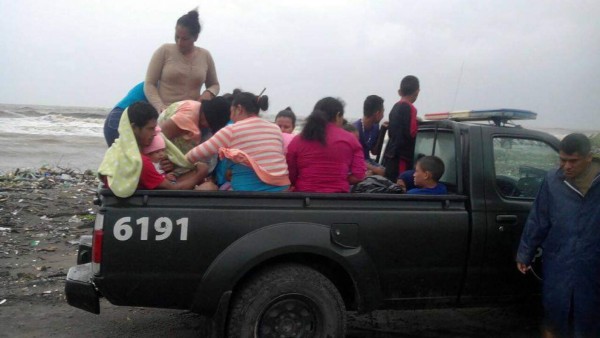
[[290, 315]]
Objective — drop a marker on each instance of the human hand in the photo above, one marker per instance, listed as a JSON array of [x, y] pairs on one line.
[[207, 186], [206, 95], [200, 165], [523, 268], [162, 109], [171, 177], [400, 183], [167, 165]]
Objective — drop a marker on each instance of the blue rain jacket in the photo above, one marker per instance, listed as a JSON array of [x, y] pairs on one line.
[[566, 225]]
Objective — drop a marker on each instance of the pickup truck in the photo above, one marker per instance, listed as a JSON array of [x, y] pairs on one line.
[[291, 264]]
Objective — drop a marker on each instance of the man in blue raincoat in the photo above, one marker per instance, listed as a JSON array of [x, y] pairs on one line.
[[565, 222]]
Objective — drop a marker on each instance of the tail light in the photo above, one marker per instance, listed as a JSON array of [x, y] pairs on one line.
[[98, 236]]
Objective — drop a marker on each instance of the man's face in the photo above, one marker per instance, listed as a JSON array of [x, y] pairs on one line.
[[574, 164], [379, 115], [145, 134]]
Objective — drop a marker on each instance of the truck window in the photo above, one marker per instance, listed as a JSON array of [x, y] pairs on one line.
[[444, 149], [521, 164]]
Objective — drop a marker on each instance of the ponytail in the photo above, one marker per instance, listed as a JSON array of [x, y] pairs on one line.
[[314, 129]]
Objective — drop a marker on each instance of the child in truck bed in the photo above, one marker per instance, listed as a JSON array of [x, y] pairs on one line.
[[126, 168], [157, 153], [428, 171]]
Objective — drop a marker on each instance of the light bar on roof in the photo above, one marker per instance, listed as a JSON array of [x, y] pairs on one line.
[[483, 115]]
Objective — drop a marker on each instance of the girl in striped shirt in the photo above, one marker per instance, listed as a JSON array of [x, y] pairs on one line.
[[253, 145]]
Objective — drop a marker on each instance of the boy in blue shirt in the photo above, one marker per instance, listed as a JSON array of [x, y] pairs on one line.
[[428, 171]]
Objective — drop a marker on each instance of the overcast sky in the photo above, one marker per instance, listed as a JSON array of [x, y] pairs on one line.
[[537, 55]]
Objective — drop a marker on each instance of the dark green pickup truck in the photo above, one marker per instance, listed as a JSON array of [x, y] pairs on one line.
[[291, 264]]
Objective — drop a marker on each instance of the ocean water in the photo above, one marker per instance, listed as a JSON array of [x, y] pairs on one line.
[[52, 120], [32, 136]]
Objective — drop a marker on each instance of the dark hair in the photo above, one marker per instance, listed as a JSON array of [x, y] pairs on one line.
[[216, 112], [434, 165], [575, 143], [331, 107], [326, 110], [191, 22], [287, 112], [250, 102], [409, 85], [373, 104], [140, 113], [229, 96]]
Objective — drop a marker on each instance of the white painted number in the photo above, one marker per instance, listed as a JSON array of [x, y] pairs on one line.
[[183, 222], [122, 230], [144, 223], [163, 227]]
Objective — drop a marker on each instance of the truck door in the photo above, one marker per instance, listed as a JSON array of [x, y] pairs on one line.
[[419, 244], [515, 163]]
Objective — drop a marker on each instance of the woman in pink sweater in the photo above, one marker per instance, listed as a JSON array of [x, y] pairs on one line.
[[325, 157]]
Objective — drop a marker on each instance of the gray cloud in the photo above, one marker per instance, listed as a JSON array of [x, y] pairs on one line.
[[537, 55]]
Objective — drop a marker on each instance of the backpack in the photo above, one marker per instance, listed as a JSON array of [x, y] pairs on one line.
[[377, 184]]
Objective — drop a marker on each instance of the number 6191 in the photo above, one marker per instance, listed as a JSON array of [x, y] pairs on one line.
[[163, 227]]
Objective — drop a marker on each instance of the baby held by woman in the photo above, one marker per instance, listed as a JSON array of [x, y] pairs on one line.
[[157, 152]]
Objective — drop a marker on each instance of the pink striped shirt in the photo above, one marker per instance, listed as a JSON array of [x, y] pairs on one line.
[[259, 139]]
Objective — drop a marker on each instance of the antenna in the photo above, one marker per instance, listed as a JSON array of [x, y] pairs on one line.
[[458, 84]]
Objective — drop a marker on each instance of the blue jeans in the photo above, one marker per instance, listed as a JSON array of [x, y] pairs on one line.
[[111, 125]]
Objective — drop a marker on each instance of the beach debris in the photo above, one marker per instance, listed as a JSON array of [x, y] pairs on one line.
[[66, 177], [44, 178], [43, 212]]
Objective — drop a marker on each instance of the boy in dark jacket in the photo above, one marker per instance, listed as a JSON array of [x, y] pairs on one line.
[[399, 152]]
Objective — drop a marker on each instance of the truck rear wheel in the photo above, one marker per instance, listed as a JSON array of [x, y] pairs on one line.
[[288, 300]]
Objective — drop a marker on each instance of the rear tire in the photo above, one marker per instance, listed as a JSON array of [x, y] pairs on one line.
[[287, 300]]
